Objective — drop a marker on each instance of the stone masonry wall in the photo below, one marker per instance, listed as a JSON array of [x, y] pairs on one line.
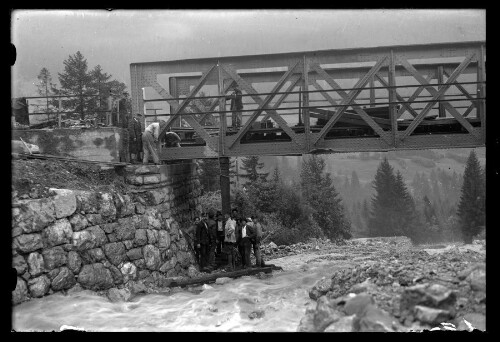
[[103, 241]]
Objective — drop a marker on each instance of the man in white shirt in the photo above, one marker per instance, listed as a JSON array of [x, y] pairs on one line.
[[149, 142], [230, 242]]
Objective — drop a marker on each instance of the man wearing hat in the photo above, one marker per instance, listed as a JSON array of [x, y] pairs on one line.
[[236, 107], [135, 138]]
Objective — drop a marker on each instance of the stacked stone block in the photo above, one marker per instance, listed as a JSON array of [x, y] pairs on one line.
[[103, 240]]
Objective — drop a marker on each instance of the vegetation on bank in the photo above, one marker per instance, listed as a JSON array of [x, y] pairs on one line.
[[427, 209]]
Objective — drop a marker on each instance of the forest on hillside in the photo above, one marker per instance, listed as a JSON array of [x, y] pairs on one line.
[[433, 179]]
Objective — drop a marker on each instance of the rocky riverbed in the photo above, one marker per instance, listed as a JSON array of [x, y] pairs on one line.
[[376, 284]]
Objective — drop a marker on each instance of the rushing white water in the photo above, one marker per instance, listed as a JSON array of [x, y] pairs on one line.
[[283, 297]]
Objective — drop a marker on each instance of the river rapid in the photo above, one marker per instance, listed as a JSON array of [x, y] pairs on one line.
[[278, 303]]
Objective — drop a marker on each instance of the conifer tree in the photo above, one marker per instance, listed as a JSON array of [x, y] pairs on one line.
[[46, 87], [320, 193], [252, 167], [471, 209], [76, 80]]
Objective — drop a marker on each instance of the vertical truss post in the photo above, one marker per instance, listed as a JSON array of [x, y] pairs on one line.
[[225, 185], [372, 92], [440, 79], [392, 98], [305, 101], [222, 108], [481, 92]]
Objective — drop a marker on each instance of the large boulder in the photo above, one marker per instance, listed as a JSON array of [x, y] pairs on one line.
[[477, 279], [39, 286], [34, 215], [27, 243], [373, 319], [64, 202], [95, 277], [58, 233], [107, 206], [433, 296], [19, 263], [124, 205], [184, 259], [74, 262], [54, 257], [98, 235], [94, 219], [151, 257], [431, 316], [115, 252], [152, 236], [357, 304], [65, 279], [20, 294], [36, 265], [318, 319]]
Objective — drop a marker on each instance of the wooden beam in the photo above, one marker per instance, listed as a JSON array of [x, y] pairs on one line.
[[222, 108], [348, 118], [263, 103], [463, 90], [372, 92], [349, 99], [437, 96]]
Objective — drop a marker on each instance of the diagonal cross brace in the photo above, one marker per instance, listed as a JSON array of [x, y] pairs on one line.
[[283, 97], [324, 93], [189, 118], [437, 95], [349, 99], [467, 95], [400, 99], [414, 96], [190, 96], [262, 103]]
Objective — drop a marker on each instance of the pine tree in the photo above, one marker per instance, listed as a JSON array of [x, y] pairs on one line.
[[46, 87], [471, 209], [99, 85], [252, 166], [209, 174], [354, 181], [76, 80], [320, 193], [381, 215]]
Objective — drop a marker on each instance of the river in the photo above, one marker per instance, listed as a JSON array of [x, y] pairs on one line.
[[282, 297]]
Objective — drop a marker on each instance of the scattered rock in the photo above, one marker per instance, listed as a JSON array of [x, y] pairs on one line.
[[256, 314], [119, 295], [431, 316], [223, 280]]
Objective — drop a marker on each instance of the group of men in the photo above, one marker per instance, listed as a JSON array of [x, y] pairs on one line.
[[234, 235]]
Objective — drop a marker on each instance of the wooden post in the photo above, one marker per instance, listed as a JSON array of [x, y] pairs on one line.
[[440, 79], [392, 99], [225, 186], [59, 106], [222, 116], [305, 101]]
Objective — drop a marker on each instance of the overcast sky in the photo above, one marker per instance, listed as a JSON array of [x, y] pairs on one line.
[[45, 38]]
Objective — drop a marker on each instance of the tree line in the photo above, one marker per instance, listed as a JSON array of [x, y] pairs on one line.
[[441, 207], [80, 82]]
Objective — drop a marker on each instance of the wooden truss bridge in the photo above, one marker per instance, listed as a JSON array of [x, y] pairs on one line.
[[328, 101]]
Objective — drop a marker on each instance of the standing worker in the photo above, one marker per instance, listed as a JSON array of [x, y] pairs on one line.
[[202, 241], [151, 137], [135, 138], [236, 107]]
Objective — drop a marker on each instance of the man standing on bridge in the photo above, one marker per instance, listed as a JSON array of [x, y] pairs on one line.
[[236, 107]]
